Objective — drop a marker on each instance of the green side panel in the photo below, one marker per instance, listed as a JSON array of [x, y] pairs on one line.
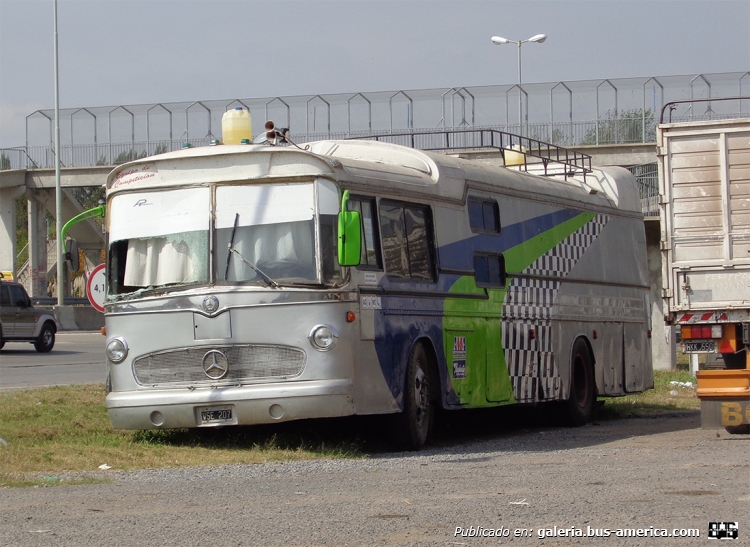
[[472, 333], [473, 346]]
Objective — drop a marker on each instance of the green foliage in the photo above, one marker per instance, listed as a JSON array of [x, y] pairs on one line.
[[130, 155], [4, 162], [161, 149], [623, 127]]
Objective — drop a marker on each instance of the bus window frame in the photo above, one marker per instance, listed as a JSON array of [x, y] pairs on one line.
[[495, 208], [431, 247], [372, 200]]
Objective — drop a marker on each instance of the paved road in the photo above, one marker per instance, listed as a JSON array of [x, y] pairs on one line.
[[652, 474], [77, 358]]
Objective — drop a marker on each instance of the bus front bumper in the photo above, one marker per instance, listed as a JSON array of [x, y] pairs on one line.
[[230, 405]]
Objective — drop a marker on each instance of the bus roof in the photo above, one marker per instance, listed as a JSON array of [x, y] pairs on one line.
[[363, 165]]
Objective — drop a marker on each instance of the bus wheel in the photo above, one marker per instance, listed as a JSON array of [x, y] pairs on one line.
[[415, 422], [743, 429], [580, 405]]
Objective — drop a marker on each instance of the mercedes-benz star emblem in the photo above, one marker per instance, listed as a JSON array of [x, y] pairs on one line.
[[210, 304], [215, 364]]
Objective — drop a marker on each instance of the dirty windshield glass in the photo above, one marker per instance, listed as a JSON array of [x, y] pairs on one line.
[[158, 239], [272, 227]]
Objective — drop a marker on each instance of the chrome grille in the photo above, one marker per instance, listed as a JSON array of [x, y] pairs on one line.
[[247, 362]]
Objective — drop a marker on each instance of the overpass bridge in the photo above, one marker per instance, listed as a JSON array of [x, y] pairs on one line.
[[611, 120]]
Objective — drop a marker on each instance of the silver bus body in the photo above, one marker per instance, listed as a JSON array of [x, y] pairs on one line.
[[500, 277]]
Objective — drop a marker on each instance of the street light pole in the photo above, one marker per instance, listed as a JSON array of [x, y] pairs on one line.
[[498, 40], [58, 189]]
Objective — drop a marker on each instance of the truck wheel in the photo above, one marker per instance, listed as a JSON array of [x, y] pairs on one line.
[[580, 405], [46, 340], [2, 340], [743, 429], [414, 423]]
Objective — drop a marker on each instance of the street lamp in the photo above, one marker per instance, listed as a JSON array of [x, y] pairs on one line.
[[499, 40]]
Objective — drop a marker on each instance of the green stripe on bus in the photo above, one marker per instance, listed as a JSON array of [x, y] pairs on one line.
[[472, 333]]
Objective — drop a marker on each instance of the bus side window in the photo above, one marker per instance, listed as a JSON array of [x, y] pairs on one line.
[[489, 270], [484, 216], [370, 258], [407, 247]]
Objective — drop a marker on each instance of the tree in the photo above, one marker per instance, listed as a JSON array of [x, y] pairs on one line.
[[623, 127], [130, 155], [4, 162]]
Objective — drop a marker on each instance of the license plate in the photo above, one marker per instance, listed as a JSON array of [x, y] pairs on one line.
[[704, 346], [216, 415]]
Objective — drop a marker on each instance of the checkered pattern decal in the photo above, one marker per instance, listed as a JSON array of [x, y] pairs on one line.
[[534, 374]]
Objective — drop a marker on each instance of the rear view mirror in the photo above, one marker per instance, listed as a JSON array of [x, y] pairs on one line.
[[350, 234], [71, 255]]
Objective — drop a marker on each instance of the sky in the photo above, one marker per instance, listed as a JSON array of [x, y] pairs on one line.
[[120, 52]]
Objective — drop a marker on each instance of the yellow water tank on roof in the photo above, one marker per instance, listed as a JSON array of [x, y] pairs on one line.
[[236, 126]]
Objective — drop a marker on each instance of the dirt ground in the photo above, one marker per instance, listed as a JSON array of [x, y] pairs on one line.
[[618, 477]]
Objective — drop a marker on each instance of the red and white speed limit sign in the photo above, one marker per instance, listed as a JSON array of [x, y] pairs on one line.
[[96, 287]]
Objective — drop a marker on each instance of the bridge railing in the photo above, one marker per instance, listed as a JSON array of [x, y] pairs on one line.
[[626, 130], [565, 113]]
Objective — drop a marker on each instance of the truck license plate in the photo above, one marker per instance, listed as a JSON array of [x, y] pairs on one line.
[[216, 415], [703, 346]]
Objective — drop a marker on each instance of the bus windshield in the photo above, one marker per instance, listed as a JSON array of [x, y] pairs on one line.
[[161, 239], [158, 239], [271, 227]]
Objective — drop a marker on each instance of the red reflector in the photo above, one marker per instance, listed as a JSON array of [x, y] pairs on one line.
[[596, 334], [648, 334], [532, 334], [726, 347], [350, 317]]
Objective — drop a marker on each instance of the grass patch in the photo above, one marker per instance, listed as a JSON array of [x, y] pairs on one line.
[[66, 429], [665, 397], [55, 434]]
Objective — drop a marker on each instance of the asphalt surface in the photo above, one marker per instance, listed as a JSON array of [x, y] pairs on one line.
[[77, 358], [647, 474]]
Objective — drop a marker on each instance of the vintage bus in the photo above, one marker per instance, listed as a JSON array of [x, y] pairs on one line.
[[252, 284]]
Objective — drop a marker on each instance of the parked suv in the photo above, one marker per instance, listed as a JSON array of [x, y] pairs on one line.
[[21, 322]]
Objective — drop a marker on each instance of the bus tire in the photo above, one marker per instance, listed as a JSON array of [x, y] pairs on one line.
[[579, 407], [743, 429], [415, 422]]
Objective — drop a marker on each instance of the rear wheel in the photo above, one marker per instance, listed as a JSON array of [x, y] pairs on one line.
[[580, 405], [46, 340], [414, 423], [743, 429]]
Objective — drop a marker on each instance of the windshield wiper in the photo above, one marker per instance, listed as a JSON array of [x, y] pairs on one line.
[[231, 242], [268, 280]]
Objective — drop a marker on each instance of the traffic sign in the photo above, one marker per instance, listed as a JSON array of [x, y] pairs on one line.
[[96, 287]]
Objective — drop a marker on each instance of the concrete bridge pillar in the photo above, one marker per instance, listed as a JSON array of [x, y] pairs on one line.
[[37, 243], [663, 341], [8, 248]]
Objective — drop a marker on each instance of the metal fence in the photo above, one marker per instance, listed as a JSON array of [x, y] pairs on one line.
[[647, 176], [574, 113]]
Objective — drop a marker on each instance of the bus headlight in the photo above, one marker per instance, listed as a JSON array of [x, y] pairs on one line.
[[323, 337], [117, 350]]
